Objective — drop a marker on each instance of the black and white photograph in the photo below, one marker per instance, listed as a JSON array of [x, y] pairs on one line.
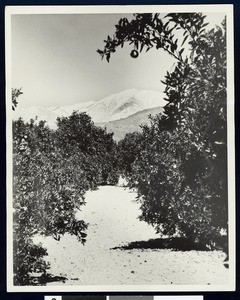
[[120, 148]]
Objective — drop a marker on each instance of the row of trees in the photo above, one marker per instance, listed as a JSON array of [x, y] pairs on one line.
[[178, 164], [52, 170]]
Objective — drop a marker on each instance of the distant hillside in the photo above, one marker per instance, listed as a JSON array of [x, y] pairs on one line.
[[131, 123], [111, 108]]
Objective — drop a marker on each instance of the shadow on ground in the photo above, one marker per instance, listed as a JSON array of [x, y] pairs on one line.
[[176, 244], [44, 279]]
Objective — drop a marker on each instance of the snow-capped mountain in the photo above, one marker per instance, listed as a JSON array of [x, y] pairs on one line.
[[124, 104], [114, 107]]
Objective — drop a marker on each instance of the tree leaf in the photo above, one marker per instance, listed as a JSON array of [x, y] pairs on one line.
[[184, 40], [181, 51]]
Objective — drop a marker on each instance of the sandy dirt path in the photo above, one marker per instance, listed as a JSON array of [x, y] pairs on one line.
[[112, 216]]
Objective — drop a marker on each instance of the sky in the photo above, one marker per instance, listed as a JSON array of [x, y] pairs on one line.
[[54, 60]]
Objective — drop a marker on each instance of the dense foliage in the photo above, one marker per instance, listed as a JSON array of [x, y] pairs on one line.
[[52, 170], [77, 135], [128, 149], [180, 172]]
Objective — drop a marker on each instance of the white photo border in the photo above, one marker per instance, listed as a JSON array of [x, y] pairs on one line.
[[210, 8]]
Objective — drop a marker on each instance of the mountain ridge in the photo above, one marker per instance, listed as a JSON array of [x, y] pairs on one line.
[[131, 123], [116, 107]]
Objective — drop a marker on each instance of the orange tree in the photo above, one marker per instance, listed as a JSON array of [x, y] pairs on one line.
[[128, 149], [47, 192], [52, 170], [77, 135], [181, 172]]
